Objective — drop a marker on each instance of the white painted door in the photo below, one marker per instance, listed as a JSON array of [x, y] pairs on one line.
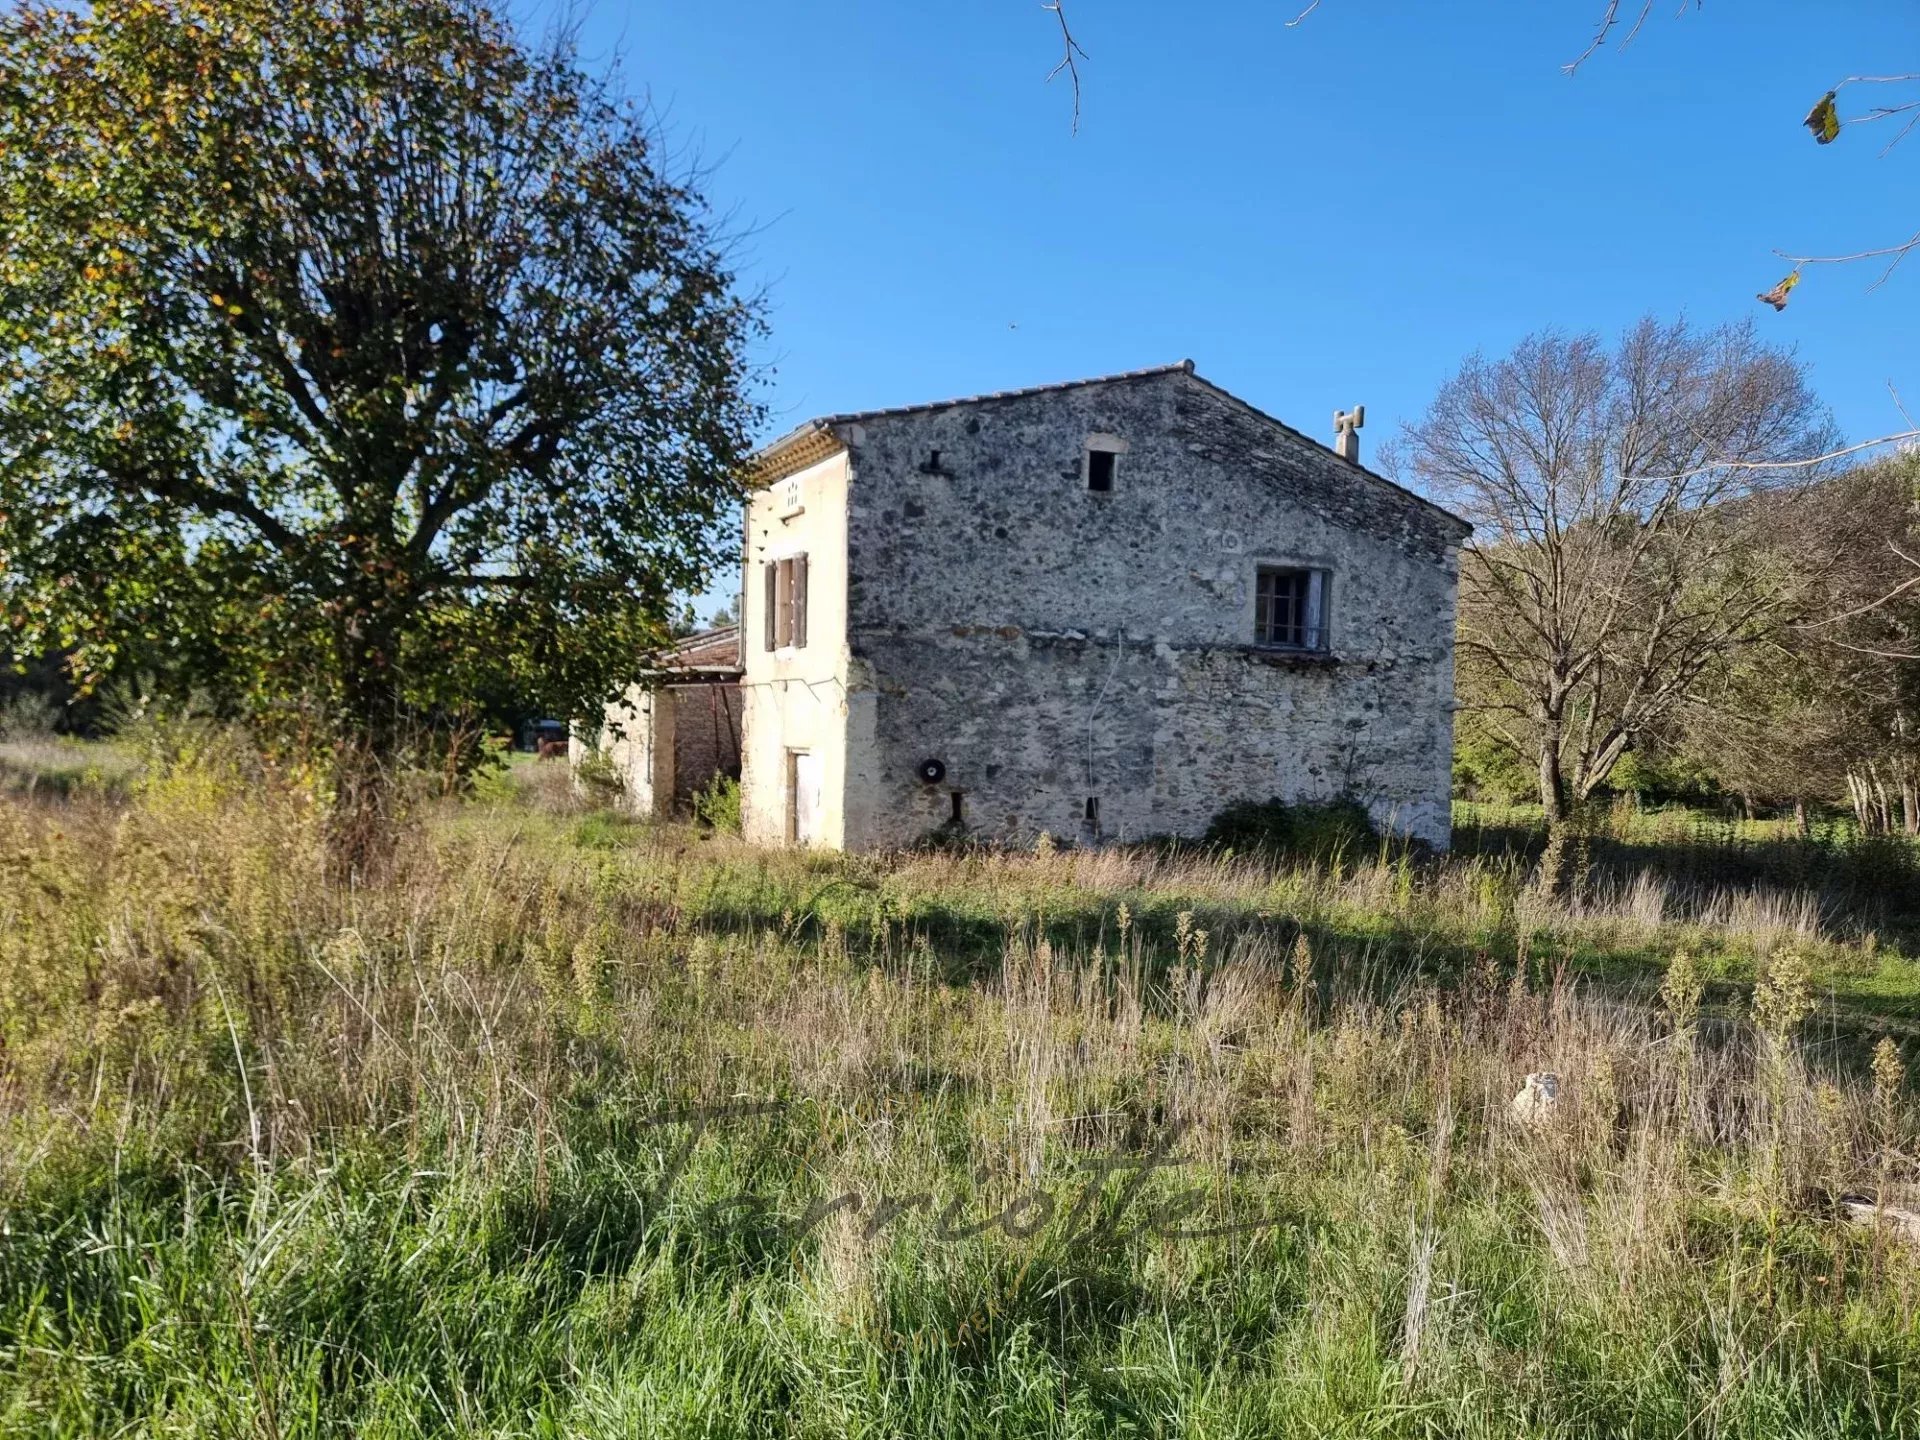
[[803, 797]]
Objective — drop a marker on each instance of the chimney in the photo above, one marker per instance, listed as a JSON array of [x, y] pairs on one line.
[[1346, 432]]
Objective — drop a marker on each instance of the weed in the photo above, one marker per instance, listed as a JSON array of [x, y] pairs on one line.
[[1063, 1142]]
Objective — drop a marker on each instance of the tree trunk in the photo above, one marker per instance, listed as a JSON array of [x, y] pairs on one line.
[[1556, 859], [1882, 802], [1857, 797], [1800, 816], [361, 821], [1553, 785]]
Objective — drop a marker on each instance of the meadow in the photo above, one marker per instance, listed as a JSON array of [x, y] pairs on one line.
[[578, 1126]]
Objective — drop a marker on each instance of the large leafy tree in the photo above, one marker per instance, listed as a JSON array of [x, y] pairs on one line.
[[355, 356]]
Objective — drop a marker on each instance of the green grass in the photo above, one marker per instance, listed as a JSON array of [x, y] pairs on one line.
[[404, 1159], [59, 767]]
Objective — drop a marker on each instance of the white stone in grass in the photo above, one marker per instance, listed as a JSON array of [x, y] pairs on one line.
[[1535, 1103], [1899, 1219]]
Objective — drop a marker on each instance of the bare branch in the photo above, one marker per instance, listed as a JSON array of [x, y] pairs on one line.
[[1876, 80], [1312, 6], [1901, 406], [1904, 131], [1882, 112], [1070, 55], [1876, 653], [1898, 252], [1870, 606], [1712, 467], [1607, 21]]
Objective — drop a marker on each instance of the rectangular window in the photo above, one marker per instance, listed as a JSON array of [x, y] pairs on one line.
[[1100, 468], [786, 592], [1290, 608]]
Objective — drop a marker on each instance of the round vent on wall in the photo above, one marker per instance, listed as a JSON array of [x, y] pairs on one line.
[[933, 771]]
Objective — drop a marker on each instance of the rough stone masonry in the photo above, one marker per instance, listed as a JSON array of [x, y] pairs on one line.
[[1088, 660]]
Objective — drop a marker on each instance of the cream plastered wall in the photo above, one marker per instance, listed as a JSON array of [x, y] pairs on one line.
[[636, 734], [796, 697]]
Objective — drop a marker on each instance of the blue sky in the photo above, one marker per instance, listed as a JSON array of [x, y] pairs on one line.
[[1331, 213]]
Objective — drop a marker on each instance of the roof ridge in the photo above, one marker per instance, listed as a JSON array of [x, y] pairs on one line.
[[1374, 475], [853, 417], [820, 425]]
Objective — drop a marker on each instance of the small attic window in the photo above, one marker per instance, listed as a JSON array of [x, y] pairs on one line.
[[1101, 465]]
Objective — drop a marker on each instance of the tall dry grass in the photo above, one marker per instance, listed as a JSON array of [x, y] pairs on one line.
[[1069, 1143]]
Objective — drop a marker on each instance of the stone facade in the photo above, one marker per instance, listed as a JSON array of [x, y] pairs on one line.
[[1083, 662]]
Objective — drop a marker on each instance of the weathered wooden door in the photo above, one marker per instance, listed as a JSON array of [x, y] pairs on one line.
[[803, 797]]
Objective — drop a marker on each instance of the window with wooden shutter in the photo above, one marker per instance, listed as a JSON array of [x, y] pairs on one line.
[[786, 592]]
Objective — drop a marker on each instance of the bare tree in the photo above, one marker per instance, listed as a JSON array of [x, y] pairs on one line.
[[1613, 560]]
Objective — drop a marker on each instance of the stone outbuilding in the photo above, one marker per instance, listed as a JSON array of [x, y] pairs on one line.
[[1103, 610], [678, 726]]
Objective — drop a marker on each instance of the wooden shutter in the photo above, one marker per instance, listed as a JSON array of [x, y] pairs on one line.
[[800, 600], [772, 593], [783, 629]]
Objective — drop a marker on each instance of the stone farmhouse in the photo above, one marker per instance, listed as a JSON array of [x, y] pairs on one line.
[[1103, 610]]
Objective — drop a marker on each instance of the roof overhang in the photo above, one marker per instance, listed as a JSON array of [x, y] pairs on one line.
[[668, 677], [795, 451]]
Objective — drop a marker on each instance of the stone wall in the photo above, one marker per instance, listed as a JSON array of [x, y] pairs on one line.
[[1049, 644], [668, 743], [706, 737], [629, 737]]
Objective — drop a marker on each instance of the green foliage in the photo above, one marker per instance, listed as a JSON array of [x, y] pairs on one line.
[[603, 830], [1663, 779], [28, 716], [1830, 712], [355, 361], [1338, 828], [718, 804], [1485, 769]]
